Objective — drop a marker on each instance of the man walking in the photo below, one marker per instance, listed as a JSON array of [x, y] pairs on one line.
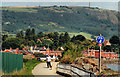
[[48, 61]]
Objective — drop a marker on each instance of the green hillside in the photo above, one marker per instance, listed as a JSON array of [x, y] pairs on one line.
[[91, 21]]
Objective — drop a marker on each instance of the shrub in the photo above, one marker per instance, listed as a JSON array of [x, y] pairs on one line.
[[37, 54], [56, 60], [24, 54], [66, 59], [25, 60]]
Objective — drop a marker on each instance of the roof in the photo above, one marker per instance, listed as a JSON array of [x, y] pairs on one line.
[[56, 51], [106, 42]]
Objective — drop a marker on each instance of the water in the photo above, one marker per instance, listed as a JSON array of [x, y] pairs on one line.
[[103, 5], [114, 67]]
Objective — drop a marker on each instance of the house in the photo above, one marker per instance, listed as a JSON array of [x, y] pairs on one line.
[[104, 54], [29, 50], [106, 42], [51, 52]]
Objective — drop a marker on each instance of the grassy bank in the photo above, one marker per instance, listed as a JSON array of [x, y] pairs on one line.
[[27, 68], [109, 73]]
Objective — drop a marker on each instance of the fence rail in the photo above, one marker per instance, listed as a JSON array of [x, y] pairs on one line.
[[11, 62], [65, 68], [74, 70]]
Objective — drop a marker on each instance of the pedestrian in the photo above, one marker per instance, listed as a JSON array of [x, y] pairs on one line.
[[49, 61]]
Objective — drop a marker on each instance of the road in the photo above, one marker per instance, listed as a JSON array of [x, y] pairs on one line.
[[42, 70]]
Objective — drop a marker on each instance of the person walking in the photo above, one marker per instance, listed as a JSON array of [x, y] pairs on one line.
[[49, 61]]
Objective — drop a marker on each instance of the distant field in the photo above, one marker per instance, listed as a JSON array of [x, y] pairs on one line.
[[87, 35], [19, 9]]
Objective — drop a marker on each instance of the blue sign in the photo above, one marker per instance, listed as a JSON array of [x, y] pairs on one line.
[[100, 39]]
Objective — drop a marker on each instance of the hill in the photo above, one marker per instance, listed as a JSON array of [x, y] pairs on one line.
[[61, 19]]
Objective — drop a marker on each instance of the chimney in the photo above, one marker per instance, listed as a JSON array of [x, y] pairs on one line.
[[16, 51], [23, 48], [10, 48]]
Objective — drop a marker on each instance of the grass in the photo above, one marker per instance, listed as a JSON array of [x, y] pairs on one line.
[[19, 9], [59, 10], [27, 68], [109, 73]]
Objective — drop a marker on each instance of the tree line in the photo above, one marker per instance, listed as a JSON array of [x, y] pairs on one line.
[[55, 41]]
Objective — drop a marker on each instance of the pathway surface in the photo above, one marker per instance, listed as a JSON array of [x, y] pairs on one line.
[[42, 70]]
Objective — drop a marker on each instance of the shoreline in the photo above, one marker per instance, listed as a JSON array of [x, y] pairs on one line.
[[113, 62]]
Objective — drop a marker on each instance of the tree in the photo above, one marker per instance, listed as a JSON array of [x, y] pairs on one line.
[[31, 43], [87, 44], [80, 37], [33, 37], [4, 37], [93, 37], [27, 34], [56, 40], [40, 34], [97, 47], [73, 39], [47, 42], [33, 31], [66, 37], [22, 46], [39, 44], [107, 48], [51, 35], [114, 40], [11, 43], [20, 34], [56, 36], [69, 46], [61, 39]]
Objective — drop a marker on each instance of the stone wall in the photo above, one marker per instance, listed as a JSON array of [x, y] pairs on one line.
[[90, 64]]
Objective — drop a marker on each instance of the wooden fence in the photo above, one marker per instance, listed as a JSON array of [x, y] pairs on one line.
[[74, 70]]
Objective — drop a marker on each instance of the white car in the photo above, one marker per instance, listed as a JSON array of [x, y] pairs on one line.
[[43, 57]]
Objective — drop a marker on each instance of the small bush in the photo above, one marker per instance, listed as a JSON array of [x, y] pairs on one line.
[[25, 60], [33, 59], [36, 54], [24, 54], [66, 59], [56, 60]]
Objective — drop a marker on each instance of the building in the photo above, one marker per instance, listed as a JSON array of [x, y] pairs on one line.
[[44, 50], [106, 42], [30, 50], [104, 54]]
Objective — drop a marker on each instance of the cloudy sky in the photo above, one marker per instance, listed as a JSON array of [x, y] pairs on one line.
[[60, 0]]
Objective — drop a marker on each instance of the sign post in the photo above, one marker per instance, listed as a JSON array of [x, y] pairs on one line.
[[100, 40]]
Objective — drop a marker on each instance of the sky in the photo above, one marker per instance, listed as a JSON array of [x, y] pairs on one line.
[[59, 0], [112, 6]]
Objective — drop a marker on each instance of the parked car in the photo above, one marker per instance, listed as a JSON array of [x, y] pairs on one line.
[[38, 58], [43, 57]]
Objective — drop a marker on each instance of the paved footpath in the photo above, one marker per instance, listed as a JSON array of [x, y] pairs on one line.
[[42, 70]]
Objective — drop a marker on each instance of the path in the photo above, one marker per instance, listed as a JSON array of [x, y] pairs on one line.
[[42, 70]]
